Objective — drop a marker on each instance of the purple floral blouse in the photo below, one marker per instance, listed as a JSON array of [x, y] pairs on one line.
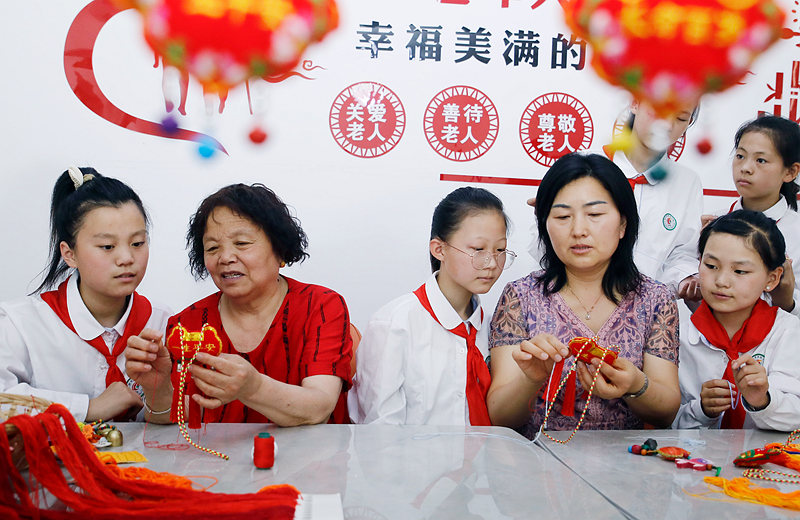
[[644, 321]]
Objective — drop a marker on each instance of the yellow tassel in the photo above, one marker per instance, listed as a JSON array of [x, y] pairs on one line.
[[743, 489]]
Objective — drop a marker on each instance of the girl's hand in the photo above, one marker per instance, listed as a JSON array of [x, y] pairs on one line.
[[751, 379], [537, 356], [614, 381], [147, 360], [116, 402], [706, 220], [783, 293], [223, 379], [715, 397], [689, 289]]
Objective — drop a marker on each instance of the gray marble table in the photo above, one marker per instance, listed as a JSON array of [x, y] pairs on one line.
[[653, 488], [388, 472]]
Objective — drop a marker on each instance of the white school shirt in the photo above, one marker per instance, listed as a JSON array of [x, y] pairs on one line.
[[410, 369], [788, 222], [780, 356], [42, 357], [669, 221]]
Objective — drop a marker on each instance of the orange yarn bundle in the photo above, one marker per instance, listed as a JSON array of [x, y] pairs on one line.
[[139, 473], [743, 489], [96, 491]]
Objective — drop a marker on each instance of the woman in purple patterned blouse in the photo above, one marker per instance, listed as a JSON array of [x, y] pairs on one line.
[[589, 286]]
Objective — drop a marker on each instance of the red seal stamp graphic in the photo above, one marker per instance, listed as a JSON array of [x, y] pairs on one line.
[[367, 119], [553, 125], [461, 123]]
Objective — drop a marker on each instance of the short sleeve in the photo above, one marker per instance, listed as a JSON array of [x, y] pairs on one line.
[[663, 339], [328, 345], [508, 326], [377, 395]]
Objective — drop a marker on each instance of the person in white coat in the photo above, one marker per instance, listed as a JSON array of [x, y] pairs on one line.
[[65, 345], [739, 362]]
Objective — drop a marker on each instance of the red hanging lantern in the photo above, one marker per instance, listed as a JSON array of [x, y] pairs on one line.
[[222, 43], [669, 53]]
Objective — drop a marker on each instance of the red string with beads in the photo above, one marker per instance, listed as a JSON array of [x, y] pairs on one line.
[[583, 348]]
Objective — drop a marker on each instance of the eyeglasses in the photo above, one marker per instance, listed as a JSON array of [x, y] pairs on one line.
[[482, 259]]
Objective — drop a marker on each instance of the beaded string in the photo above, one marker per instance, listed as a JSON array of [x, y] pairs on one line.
[[762, 474], [572, 369], [181, 421]]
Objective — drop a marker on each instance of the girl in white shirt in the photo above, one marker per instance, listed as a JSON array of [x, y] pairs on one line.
[[766, 163], [418, 362], [65, 345], [739, 363]]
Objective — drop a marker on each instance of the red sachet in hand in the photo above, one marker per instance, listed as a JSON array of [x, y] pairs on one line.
[[586, 349], [183, 345]]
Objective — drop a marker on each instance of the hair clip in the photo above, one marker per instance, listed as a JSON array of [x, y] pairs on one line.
[[78, 177]]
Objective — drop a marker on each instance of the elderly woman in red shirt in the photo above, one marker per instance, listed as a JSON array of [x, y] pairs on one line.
[[286, 345]]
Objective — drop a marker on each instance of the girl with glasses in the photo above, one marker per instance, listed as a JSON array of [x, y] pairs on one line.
[[418, 362]]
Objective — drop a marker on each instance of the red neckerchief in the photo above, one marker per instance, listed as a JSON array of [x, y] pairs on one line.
[[478, 376], [754, 329], [137, 319], [639, 179]]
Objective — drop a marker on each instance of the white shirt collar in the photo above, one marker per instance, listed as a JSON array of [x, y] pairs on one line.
[[85, 324], [776, 212], [662, 163], [445, 312]]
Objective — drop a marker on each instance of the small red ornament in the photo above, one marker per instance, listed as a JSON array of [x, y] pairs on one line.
[[704, 146], [257, 135], [672, 453], [183, 346], [587, 349], [670, 53]]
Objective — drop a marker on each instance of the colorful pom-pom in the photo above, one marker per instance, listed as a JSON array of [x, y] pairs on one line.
[[622, 141], [169, 125], [704, 146], [257, 135], [206, 148], [658, 173]]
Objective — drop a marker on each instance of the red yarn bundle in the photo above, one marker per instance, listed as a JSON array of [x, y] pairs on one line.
[[97, 492]]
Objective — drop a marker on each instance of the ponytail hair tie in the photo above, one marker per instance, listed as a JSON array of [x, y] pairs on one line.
[[78, 177]]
